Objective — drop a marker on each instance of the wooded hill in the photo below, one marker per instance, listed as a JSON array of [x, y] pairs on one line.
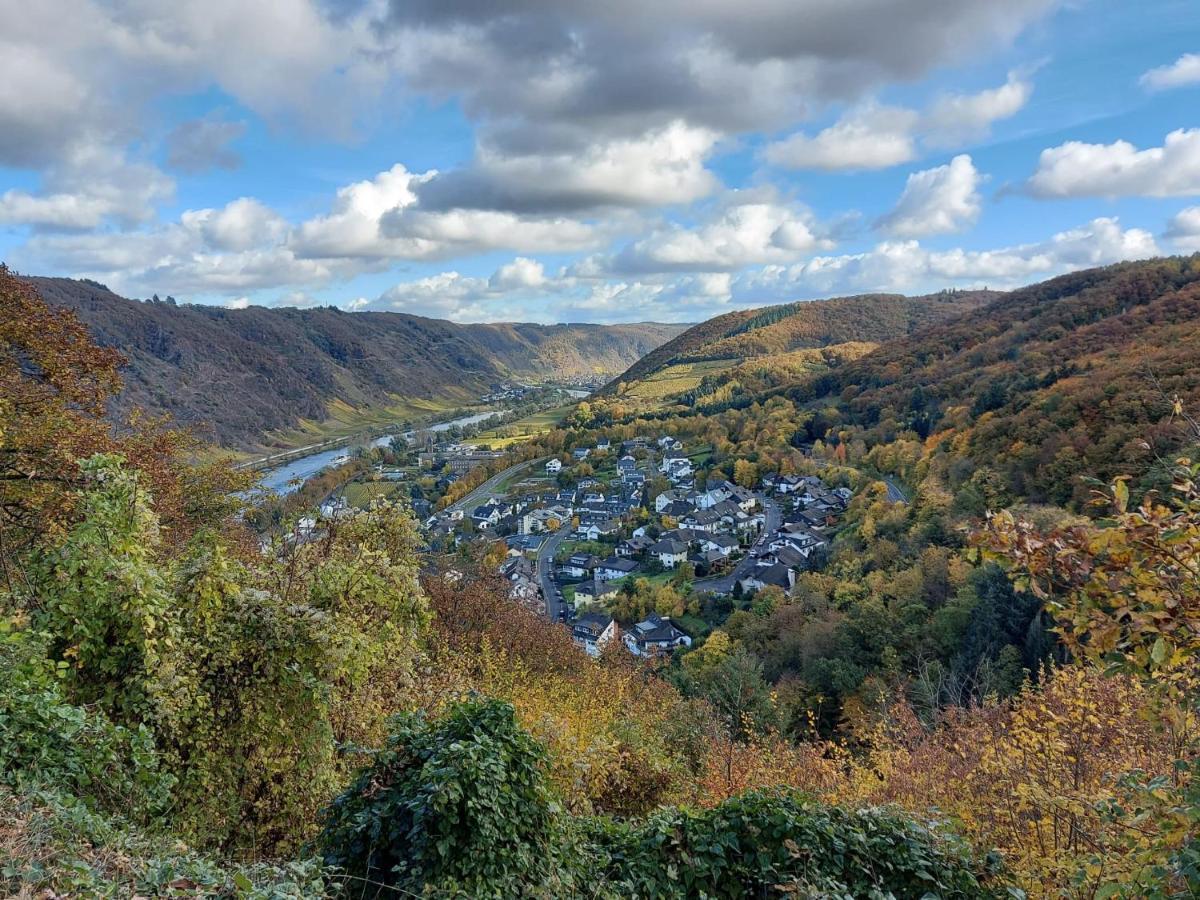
[[1076, 375], [803, 325], [234, 375]]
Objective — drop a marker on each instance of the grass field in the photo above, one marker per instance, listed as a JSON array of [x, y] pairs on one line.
[[523, 429], [359, 494]]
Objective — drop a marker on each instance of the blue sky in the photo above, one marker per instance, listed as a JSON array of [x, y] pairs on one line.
[[560, 160]]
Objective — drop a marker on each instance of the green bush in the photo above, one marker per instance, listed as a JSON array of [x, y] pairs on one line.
[[456, 805], [459, 806], [46, 740], [759, 842]]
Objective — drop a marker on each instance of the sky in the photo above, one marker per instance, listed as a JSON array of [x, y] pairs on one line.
[[583, 161]]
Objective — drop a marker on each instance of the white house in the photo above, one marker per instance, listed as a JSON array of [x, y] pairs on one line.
[[592, 631], [669, 552], [655, 635], [554, 466]]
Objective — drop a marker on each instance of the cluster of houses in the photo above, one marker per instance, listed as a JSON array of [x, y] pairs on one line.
[[811, 510], [653, 636]]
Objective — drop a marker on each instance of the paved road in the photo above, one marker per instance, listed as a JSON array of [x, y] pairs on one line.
[[545, 571], [477, 496], [724, 584], [894, 492]]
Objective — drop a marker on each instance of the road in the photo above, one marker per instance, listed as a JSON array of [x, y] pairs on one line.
[[723, 584], [481, 493], [545, 571], [894, 493]]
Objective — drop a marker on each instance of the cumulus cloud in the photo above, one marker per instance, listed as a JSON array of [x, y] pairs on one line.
[[662, 166], [92, 185], [874, 136], [522, 272], [199, 145], [868, 137], [747, 228], [1184, 71], [907, 266], [1119, 169], [1184, 230], [936, 201]]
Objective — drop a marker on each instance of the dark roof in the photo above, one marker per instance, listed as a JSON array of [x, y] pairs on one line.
[[654, 629], [590, 625], [669, 546]]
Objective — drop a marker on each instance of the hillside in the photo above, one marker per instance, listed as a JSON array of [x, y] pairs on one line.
[[747, 334], [1071, 376], [235, 375]]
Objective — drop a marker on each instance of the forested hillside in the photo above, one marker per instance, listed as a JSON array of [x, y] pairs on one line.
[[1073, 376], [803, 325], [235, 375]]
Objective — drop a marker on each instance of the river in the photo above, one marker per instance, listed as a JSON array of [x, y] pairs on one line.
[[288, 477]]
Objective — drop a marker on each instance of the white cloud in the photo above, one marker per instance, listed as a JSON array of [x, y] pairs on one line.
[[1120, 169], [955, 119], [522, 272], [874, 136], [662, 166], [1184, 230], [748, 228], [91, 186], [241, 225], [1184, 71], [869, 137], [936, 201], [238, 303], [907, 266]]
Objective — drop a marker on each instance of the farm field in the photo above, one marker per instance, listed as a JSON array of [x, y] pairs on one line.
[[523, 429]]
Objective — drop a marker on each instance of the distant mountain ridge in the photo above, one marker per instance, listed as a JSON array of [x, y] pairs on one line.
[[235, 375]]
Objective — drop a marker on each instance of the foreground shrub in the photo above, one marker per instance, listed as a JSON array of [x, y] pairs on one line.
[[460, 806]]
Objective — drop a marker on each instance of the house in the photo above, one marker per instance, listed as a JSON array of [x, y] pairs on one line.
[[594, 529], [666, 498], [713, 496], [710, 560], [672, 465], [592, 631], [626, 465], [774, 575], [603, 444], [594, 591], [634, 546], [667, 442], [655, 635], [669, 552], [615, 567], [581, 453], [486, 515], [554, 466], [702, 520], [579, 565], [719, 543], [678, 510]]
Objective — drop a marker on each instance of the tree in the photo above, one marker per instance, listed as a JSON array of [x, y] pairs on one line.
[[745, 473]]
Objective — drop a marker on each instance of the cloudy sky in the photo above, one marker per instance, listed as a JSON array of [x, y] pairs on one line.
[[572, 160]]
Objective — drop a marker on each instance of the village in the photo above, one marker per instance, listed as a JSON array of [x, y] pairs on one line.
[[590, 534]]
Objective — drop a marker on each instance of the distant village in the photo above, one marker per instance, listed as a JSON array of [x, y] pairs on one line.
[[582, 527]]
